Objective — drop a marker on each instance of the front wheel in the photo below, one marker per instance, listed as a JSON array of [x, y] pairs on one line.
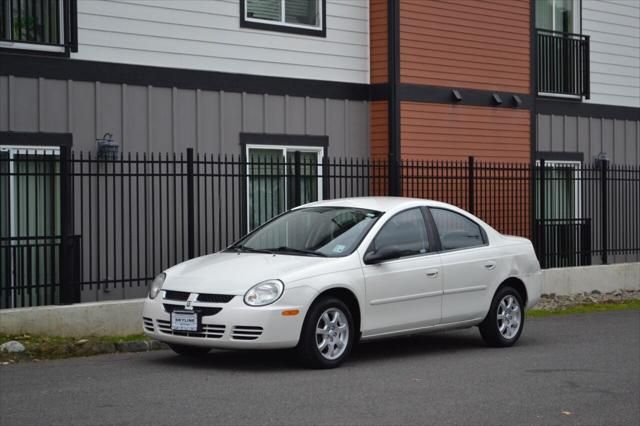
[[186, 350], [327, 334], [504, 322]]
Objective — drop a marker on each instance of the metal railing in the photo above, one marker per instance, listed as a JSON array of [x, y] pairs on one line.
[[112, 225], [42, 22], [563, 63]]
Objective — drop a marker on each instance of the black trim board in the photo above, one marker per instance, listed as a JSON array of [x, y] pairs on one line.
[[36, 138], [34, 66], [277, 27], [395, 144], [559, 156], [443, 95], [588, 110]]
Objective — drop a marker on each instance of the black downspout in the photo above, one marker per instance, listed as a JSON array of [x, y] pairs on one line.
[[533, 117], [393, 41]]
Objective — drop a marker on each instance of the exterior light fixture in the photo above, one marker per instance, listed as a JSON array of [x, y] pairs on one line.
[[497, 100], [517, 101], [107, 147], [456, 96]]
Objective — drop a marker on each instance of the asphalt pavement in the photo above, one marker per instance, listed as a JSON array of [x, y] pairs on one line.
[[579, 369]]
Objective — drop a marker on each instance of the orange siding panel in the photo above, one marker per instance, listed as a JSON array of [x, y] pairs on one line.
[[379, 129], [454, 132], [378, 41], [466, 43]]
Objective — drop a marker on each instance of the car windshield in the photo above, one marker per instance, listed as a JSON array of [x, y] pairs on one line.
[[312, 231]]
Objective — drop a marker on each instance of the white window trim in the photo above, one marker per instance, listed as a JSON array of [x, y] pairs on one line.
[[577, 15], [282, 22]]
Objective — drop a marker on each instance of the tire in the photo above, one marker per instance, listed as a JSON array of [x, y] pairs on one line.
[[329, 348], [186, 350], [504, 323]]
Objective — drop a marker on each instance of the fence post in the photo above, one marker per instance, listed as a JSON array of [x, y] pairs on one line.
[[69, 290], [296, 180], [541, 230], [326, 190], [191, 250], [604, 164], [471, 185]]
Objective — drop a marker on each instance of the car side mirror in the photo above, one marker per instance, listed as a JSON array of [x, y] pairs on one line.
[[382, 254]]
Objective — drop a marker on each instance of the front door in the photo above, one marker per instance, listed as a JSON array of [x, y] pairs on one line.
[[405, 292]]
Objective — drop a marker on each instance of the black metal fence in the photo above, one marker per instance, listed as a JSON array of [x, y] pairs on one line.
[[563, 63], [74, 227]]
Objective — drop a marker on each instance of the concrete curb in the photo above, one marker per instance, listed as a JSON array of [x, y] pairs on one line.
[[124, 317]]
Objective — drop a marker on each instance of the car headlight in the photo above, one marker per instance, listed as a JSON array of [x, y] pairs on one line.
[[264, 293], [156, 285]]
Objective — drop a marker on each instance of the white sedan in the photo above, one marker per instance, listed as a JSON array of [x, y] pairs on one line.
[[325, 275]]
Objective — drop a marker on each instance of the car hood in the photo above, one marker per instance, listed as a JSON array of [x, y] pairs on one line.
[[235, 273]]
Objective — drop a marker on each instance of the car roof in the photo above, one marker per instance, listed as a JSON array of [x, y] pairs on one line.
[[383, 204]]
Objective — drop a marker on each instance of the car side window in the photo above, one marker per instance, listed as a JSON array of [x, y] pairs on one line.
[[406, 231], [455, 230]]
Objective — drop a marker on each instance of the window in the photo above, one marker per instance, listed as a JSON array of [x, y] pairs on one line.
[[406, 231], [561, 192], [294, 16], [558, 15], [279, 178], [326, 231], [43, 25], [456, 231]]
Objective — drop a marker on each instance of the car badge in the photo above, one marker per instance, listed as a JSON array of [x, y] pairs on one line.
[[189, 304]]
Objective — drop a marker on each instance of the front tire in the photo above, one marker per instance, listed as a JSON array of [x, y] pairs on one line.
[[186, 350], [504, 323], [327, 334]]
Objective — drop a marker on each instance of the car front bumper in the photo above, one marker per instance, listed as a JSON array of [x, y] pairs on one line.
[[236, 325]]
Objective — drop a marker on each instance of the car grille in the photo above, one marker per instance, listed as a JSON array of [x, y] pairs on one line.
[[243, 332], [215, 298], [147, 323], [209, 331], [201, 310], [182, 296], [176, 295]]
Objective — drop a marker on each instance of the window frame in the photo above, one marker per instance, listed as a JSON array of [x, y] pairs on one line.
[[440, 249], [432, 248], [68, 15], [285, 149], [577, 17], [284, 27], [576, 166]]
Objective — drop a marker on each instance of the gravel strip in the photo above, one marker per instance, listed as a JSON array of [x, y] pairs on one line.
[[550, 302]]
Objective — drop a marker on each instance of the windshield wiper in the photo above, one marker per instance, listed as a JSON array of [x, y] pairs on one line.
[[285, 249], [246, 249]]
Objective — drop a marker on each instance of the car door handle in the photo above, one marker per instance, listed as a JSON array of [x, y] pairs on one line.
[[432, 273], [490, 265]]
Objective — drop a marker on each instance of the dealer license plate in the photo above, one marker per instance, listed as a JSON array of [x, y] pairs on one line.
[[184, 321]]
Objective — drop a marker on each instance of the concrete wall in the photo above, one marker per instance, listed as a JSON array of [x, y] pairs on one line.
[[125, 317], [158, 119]]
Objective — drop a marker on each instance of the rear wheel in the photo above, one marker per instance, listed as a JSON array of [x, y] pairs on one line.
[[186, 350], [504, 322], [327, 334]]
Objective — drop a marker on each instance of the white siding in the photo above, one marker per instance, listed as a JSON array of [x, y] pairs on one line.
[[614, 27], [206, 35]]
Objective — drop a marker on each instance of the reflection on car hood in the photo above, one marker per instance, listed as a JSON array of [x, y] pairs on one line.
[[235, 273]]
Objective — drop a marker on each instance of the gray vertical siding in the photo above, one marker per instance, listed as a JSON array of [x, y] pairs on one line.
[[619, 139], [154, 119]]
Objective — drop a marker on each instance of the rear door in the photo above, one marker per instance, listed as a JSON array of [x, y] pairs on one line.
[[469, 266]]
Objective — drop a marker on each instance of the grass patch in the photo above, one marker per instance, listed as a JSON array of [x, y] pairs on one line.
[[56, 347], [586, 309]]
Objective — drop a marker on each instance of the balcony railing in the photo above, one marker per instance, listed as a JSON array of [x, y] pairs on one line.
[[35, 22], [563, 63]]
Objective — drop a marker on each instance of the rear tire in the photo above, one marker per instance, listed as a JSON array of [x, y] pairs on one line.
[[186, 350], [504, 323], [327, 334]]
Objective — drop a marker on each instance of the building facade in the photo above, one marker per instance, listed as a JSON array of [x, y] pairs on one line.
[[518, 82]]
